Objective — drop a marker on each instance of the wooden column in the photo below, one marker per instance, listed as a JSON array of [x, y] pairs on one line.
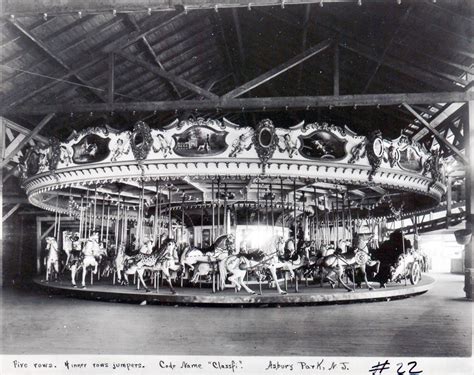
[[449, 200], [469, 248]]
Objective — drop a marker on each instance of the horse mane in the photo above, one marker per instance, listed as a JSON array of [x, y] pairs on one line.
[[213, 247], [162, 251], [256, 255]]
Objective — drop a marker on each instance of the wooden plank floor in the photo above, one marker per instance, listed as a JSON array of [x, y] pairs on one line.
[[437, 323]]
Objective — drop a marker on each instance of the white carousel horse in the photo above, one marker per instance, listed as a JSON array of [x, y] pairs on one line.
[[337, 263], [91, 252], [164, 260], [147, 247], [220, 258], [202, 264], [287, 259], [52, 259], [237, 265]]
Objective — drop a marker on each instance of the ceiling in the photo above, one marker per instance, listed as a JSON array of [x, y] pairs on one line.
[[63, 59]]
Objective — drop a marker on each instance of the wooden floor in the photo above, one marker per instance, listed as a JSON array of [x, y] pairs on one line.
[[437, 323], [310, 294]]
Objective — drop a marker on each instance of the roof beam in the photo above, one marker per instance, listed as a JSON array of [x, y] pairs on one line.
[[20, 129], [152, 53], [27, 138], [48, 52], [432, 130], [53, 7], [250, 104], [122, 42], [11, 212], [280, 69], [387, 47], [111, 79], [396, 64], [168, 76], [150, 50]]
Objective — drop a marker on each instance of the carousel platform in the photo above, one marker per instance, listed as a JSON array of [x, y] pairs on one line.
[[312, 294]]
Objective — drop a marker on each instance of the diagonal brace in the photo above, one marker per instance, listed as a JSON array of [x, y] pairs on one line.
[[168, 76], [280, 69], [25, 140], [437, 134]]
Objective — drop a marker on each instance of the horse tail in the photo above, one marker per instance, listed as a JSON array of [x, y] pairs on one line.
[[223, 272]]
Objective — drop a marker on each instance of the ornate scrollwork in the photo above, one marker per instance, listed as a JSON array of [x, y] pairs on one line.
[[200, 121], [375, 151], [75, 135], [265, 141], [358, 151], [432, 166], [323, 126], [54, 154], [141, 140], [393, 155]]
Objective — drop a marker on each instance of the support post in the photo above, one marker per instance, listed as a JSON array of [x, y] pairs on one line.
[[449, 199], [336, 69], [469, 248]]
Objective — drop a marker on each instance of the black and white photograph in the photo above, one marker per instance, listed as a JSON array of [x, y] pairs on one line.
[[237, 187]]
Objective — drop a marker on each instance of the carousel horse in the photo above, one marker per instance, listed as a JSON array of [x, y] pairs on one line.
[[147, 247], [164, 259], [203, 263], [119, 261], [52, 259], [338, 262], [90, 257]]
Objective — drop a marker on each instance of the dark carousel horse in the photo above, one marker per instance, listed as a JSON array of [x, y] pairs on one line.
[[388, 254]]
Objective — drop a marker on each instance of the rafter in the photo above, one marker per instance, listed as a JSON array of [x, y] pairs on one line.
[[168, 76], [396, 64], [250, 104], [114, 45], [53, 56], [387, 47], [280, 69]]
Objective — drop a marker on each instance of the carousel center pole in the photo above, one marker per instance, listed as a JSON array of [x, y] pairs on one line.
[[282, 209], [213, 212], [169, 213], [295, 223]]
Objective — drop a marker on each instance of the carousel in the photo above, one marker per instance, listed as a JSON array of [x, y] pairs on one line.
[[208, 211]]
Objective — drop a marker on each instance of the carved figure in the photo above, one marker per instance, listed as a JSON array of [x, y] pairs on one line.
[[241, 144], [161, 144], [286, 144]]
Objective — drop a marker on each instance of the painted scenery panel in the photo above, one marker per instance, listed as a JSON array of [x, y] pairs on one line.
[[322, 144], [200, 141], [91, 149], [410, 160]]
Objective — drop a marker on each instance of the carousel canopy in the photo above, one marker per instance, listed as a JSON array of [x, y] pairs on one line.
[[327, 75]]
